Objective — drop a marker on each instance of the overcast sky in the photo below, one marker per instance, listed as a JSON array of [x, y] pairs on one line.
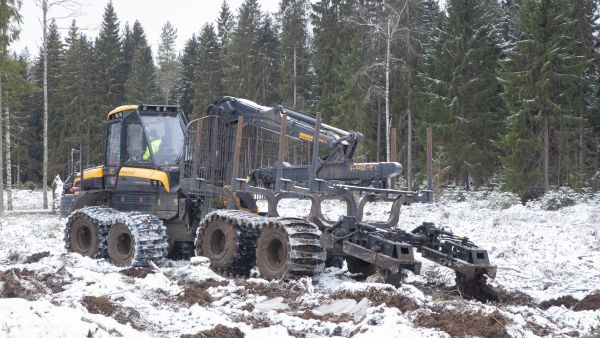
[[187, 16]]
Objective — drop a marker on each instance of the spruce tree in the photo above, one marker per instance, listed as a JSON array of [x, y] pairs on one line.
[[141, 86], [464, 103], [267, 63], [209, 77], [108, 63], [56, 98], [167, 63], [540, 77], [78, 95], [243, 52], [330, 44], [132, 38], [294, 87], [188, 67], [225, 26]]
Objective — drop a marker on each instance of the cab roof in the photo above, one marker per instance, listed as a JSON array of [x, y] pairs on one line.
[[143, 107], [121, 109]]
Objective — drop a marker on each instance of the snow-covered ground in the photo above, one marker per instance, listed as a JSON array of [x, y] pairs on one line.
[[541, 256]]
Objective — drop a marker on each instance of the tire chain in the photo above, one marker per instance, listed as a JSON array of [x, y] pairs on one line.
[[151, 240], [307, 255]]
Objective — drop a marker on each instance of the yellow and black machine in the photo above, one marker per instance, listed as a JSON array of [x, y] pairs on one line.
[[173, 189]]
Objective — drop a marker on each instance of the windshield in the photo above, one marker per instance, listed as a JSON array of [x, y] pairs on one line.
[[165, 136]]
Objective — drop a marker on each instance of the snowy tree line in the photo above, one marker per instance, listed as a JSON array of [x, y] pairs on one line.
[[510, 87]]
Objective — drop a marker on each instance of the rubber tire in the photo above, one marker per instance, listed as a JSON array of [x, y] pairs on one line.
[[77, 242], [356, 265], [219, 243], [117, 255], [273, 253]]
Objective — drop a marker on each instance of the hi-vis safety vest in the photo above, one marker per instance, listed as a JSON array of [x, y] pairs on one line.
[[155, 146]]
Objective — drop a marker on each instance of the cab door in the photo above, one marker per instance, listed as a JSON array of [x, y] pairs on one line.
[[113, 154]]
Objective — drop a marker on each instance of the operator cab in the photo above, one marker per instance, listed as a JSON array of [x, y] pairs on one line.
[[145, 136]]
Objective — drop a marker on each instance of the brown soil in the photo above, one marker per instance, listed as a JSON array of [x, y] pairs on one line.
[[194, 293], [13, 288], [463, 324], [288, 290], [37, 257], [590, 302], [379, 296], [100, 305], [332, 318], [137, 272], [257, 321], [567, 301], [516, 298], [538, 330], [219, 331]]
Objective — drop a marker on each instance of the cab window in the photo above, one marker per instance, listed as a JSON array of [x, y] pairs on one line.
[[113, 151], [136, 143]]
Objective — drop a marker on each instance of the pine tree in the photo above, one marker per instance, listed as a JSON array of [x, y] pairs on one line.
[[294, 88], [209, 76], [188, 67], [167, 63]]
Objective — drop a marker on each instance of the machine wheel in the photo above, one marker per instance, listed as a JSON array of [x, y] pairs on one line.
[[121, 245], [356, 265], [290, 248], [84, 237], [219, 243], [273, 253]]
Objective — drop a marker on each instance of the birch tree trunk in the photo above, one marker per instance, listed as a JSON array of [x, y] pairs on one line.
[[9, 199], [45, 47], [546, 154], [294, 76], [409, 127], [387, 91], [1, 155]]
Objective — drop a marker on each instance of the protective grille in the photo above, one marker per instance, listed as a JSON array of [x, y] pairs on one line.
[[208, 153]]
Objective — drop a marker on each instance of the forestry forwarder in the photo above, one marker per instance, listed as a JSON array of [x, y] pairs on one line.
[[196, 191]]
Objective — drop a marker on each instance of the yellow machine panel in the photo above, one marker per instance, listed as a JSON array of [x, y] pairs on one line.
[[150, 174]]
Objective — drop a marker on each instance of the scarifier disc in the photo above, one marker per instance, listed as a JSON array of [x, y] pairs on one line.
[[356, 265], [475, 288]]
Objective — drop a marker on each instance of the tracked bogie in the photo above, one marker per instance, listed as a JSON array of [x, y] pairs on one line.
[[150, 239]]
